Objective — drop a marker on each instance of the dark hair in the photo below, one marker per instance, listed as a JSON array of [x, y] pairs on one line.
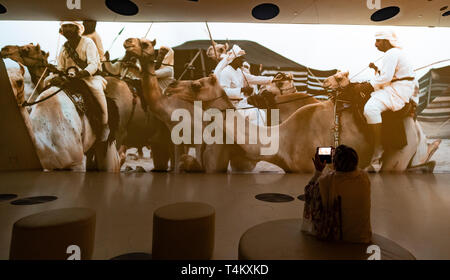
[[89, 26], [345, 159]]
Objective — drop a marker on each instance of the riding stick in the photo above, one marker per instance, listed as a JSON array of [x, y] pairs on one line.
[[148, 30], [117, 36], [212, 41], [235, 56], [33, 95]]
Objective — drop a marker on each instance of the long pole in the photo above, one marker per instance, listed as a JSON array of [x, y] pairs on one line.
[[148, 30], [117, 36], [189, 65], [212, 41], [235, 56]]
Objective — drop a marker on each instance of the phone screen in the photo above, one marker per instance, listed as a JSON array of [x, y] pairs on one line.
[[324, 150], [324, 153]]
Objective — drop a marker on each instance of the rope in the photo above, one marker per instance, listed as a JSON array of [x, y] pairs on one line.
[[37, 84], [26, 104]]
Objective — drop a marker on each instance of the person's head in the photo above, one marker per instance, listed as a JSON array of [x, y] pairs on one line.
[[71, 29], [345, 159], [89, 26], [383, 45], [386, 40]]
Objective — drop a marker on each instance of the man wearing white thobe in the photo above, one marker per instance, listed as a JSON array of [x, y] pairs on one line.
[[238, 84], [393, 86], [87, 53]]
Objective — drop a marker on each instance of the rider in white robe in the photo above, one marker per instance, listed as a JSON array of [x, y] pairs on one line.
[[393, 87], [238, 83]]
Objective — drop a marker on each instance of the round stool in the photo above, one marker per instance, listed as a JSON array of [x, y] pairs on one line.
[[183, 231], [47, 235], [283, 240]]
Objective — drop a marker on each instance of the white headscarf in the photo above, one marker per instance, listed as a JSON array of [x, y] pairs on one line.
[[76, 23], [235, 52], [390, 36]]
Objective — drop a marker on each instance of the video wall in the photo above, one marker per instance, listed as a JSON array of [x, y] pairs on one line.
[[222, 97]]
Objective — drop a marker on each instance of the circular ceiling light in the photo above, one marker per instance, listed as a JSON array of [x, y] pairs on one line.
[[447, 13], [122, 7], [385, 13], [265, 11], [2, 9]]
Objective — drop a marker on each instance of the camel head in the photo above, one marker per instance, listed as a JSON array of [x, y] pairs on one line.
[[338, 80], [17, 82], [28, 55], [205, 89], [220, 49], [283, 85], [12, 52], [140, 48]]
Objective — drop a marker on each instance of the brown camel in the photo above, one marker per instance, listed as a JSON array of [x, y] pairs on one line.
[[176, 96], [32, 57], [312, 126], [422, 153], [136, 126], [61, 135]]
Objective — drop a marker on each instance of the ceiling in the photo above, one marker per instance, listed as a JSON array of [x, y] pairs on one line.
[[412, 12]]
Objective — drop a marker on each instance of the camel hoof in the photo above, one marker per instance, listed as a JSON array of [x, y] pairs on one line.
[[128, 168], [432, 148], [157, 170], [427, 167], [189, 164], [140, 169]]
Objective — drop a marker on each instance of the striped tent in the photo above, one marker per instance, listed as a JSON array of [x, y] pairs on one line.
[[262, 60], [434, 95]]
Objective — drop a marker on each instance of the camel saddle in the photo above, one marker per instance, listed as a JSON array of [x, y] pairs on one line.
[[358, 94], [79, 93]]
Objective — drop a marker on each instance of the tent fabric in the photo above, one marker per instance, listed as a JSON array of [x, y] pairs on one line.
[[256, 55], [434, 95]]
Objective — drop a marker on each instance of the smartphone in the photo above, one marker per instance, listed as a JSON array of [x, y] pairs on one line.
[[325, 154]]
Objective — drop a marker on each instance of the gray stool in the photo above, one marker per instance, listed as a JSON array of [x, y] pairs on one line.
[[283, 240], [46, 235], [183, 231]]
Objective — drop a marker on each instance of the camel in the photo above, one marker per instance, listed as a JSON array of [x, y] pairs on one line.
[[423, 152], [61, 136], [176, 96], [312, 126], [33, 58], [137, 127], [220, 49]]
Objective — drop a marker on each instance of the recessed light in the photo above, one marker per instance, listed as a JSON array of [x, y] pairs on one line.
[[2, 9], [385, 13], [447, 13], [122, 7], [265, 11]]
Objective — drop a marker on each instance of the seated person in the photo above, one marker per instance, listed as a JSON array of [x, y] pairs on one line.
[[322, 216]]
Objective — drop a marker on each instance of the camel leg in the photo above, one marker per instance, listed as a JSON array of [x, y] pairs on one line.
[[239, 162], [107, 157], [399, 160], [215, 158], [161, 156]]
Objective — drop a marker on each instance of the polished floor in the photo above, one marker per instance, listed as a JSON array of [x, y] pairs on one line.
[[412, 209]]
